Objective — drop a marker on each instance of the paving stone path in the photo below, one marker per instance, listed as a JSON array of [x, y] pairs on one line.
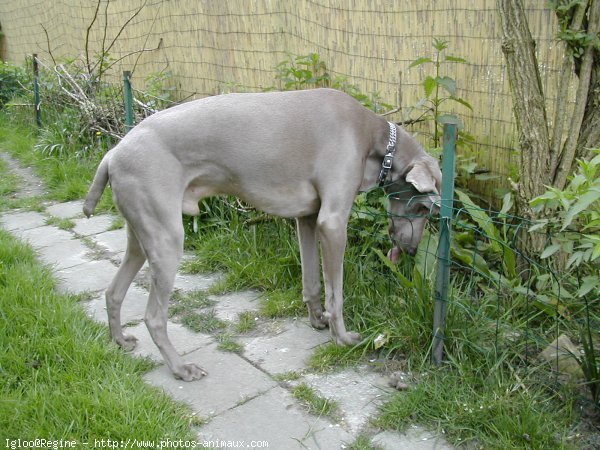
[[246, 396]]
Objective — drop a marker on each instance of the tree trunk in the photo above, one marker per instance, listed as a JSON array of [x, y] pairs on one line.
[[589, 138], [573, 146], [528, 103]]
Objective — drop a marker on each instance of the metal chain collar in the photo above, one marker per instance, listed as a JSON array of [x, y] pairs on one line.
[[388, 159]]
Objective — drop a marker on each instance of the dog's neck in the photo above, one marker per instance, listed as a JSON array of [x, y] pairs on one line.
[[388, 158]]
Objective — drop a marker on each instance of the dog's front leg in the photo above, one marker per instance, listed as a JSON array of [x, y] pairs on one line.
[[311, 279], [332, 231]]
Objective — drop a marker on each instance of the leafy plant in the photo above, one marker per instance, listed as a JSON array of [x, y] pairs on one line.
[[159, 91], [310, 71], [439, 89], [302, 72], [13, 82], [577, 40], [575, 222], [575, 229]]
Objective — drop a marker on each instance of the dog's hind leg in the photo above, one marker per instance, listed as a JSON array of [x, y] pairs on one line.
[[132, 263], [162, 240], [311, 278]]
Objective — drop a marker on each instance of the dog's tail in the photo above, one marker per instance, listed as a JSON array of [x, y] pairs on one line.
[[97, 187]]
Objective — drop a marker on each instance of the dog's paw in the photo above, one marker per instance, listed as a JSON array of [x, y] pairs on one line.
[[397, 381], [190, 372], [127, 342], [348, 338], [318, 322]]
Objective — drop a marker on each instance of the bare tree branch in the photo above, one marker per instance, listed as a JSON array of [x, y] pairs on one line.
[[107, 50], [48, 43], [87, 37]]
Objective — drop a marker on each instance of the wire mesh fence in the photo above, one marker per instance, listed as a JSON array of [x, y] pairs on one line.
[[208, 47], [503, 302]]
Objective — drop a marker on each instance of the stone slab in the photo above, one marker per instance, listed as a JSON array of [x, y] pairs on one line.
[[22, 220], [93, 225], [88, 277], [287, 350], [63, 255], [183, 282], [195, 282], [229, 306], [66, 210], [45, 236], [184, 340], [415, 438], [133, 308], [230, 381], [114, 241], [359, 392], [275, 417]]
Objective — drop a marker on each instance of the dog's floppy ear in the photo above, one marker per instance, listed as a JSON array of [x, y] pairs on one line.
[[423, 177]]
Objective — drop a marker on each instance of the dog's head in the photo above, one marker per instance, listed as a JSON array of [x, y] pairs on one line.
[[413, 197]]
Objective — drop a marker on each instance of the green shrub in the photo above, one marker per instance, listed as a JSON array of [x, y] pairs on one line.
[[14, 82]]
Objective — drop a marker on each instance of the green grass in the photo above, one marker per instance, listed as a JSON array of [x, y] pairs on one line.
[[9, 183], [182, 304], [247, 322], [203, 322], [330, 357], [396, 303], [228, 343], [314, 403], [66, 178], [484, 408], [63, 224], [61, 378]]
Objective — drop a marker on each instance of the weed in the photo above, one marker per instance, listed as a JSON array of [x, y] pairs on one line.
[[315, 404], [228, 344], [203, 322], [287, 376], [117, 224], [282, 303], [246, 322], [363, 442], [182, 304], [331, 356], [430, 107], [310, 71], [63, 224]]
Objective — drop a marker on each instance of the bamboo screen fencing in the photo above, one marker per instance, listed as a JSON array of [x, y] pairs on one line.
[[212, 46]]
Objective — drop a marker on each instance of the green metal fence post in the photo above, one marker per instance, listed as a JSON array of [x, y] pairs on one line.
[[36, 91], [443, 251], [128, 95]]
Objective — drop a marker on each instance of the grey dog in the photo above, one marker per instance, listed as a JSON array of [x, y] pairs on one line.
[[303, 154]]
